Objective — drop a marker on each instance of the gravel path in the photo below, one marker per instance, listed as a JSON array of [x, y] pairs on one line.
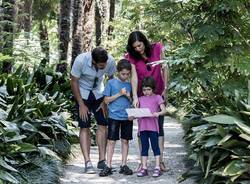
[[173, 156]]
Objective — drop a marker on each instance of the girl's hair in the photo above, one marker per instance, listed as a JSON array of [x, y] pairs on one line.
[[148, 82], [138, 36], [123, 64]]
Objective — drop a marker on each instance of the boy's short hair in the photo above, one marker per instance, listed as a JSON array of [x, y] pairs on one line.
[[123, 64], [99, 55], [148, 82]]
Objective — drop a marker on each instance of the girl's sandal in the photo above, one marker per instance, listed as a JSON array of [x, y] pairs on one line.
[[157, 173], [142, 172]]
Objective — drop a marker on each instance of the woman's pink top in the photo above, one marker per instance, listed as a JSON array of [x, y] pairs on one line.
[[153, 103], [142, 72]]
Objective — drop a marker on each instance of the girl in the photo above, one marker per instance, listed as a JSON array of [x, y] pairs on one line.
[[148, 126]]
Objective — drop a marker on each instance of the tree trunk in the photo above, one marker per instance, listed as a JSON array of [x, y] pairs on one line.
[[98, 24], [111, 16], [88, 22], [77, 29], [24, 16], [27, 22], [101, 17], [7, 32], [64, 29], [44, 40]]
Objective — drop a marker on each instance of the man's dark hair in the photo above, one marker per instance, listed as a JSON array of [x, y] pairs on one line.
[[123, 64], [99, 55], [138, 36], [148, 82]]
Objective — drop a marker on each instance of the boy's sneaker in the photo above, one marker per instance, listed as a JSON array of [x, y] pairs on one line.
[[105, 172], [89, 169], [101, 164], [125, 170]]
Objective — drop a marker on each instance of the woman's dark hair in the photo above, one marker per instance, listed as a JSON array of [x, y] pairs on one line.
[[99, 55], [148, 82], [138, 36], [123, 64]]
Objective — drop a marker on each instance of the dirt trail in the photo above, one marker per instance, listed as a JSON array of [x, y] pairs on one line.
[[174, 154]]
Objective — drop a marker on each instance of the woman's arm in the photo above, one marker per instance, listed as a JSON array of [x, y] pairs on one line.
[[165, 73], [162, 112], [134, 84]]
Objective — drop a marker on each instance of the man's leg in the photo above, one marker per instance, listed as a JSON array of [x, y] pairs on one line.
[[85, 143], [101, 140]]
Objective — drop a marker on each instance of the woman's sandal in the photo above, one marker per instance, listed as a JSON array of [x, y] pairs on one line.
[[163, 167], [139, 167]]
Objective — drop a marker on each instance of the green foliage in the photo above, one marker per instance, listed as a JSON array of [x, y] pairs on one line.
[[219, 148], [33, 129]]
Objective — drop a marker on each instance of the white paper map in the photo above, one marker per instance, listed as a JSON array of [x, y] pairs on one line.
[[139, 112]]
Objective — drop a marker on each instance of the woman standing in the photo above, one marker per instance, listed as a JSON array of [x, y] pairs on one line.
[[142, 55]]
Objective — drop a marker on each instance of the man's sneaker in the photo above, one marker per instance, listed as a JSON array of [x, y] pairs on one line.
[[101, 164], [89, 169], [105, 172], [125, 170]]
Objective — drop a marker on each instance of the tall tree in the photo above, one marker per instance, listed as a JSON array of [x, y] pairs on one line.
[[24, 16], [77, 30], [44, 39], [64, 32], [27, 21], [101, 17], [111, 16], [7, 31], [88, 22], [44, 11]]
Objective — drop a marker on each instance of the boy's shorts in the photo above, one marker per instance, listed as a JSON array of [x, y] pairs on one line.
[[114, 127], [92, 105]]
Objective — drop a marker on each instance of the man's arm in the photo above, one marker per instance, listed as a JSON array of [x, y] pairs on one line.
[[83, 109]]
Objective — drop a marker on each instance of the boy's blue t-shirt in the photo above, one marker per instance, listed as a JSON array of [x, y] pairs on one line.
[[117, 107]]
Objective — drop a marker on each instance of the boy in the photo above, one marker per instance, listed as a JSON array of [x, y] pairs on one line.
[[117, 97]]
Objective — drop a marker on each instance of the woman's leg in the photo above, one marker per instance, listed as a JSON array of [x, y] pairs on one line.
[[161, 141]]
